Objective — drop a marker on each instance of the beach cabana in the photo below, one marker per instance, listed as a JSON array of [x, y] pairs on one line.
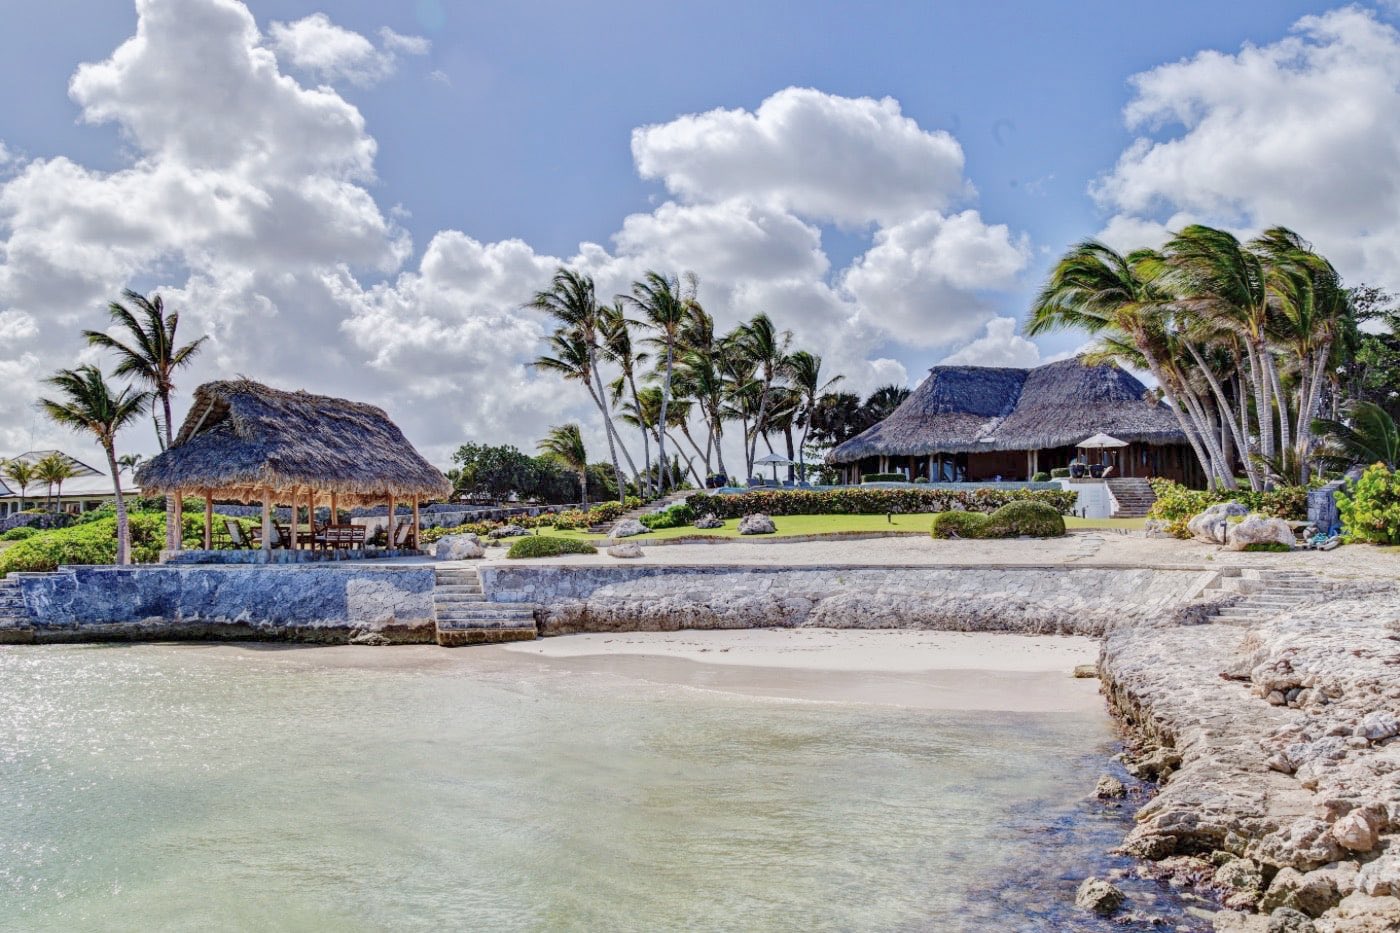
[[247, 442], [982, 422]]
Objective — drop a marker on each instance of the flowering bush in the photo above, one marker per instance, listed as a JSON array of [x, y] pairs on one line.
[[1370, 510], [1176, 505], [677, 516], [861, 501]]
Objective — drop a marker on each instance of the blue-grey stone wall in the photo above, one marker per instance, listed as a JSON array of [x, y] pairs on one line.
[[300, 603]]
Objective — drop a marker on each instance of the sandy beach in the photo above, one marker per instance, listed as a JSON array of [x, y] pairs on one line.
[[928, 670]]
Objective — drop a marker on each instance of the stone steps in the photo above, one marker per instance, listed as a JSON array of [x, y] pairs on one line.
[[1134, 497], [603, 528], [1277, 593], [464, 616]]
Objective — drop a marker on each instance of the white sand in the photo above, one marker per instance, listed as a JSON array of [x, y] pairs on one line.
[[923, 670], [877, 650]]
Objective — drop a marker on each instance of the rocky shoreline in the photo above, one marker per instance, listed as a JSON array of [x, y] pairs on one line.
[[1276, 748]]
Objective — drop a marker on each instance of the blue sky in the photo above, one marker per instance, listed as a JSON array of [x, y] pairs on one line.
[[515, 122]]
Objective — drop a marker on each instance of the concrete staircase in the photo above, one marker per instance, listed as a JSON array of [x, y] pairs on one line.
[[1275, 591], [654, 505], [1133, 498], [464, 617]]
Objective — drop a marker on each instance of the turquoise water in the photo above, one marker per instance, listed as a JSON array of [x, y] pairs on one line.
[[192, 788]]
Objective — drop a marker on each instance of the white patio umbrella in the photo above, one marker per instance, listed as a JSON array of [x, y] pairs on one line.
[[774, 460], [1100, 442]]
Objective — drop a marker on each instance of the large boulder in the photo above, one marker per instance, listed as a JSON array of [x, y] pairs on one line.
[[1099, 896], [709, 520], [625, 550], [1212, 525], [757, 524], [459, 547], [508, 531], [1256, 529], [627, 528]]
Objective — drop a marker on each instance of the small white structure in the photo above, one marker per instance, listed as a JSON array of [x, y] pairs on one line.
[[85, 491]]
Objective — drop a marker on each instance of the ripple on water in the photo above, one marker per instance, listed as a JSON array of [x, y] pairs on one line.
[[152, 787]]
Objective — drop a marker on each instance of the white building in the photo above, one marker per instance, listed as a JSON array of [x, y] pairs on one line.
[[87, 490]]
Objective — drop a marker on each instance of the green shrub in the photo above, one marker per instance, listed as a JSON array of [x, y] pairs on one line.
[[1060, 473], [1370, 509], [882, 478], [1033, 519], [861, 501], [1041, 477], [547, 546], [958, 524], [19, 534], [1267, 546], [605, 512], [921, 479], [1176, 505], [677, 516]]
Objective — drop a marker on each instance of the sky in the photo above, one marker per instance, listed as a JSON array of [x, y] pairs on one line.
[[356, 197]]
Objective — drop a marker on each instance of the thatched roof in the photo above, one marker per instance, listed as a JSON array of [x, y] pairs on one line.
[[963, 409], [241, 438]]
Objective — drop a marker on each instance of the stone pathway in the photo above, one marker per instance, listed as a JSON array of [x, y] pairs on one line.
[[1277, 591], [464, 617], [1085, 546]]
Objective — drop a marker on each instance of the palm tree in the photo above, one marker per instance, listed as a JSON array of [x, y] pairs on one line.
[[765, 349], [129, 463], [151, 357], [90, 404], [53, 470], [804, 371], [1368, 435], [1097, 289], [564, 443], [665, 305], [616, 332], [571, 300], [21, 473]]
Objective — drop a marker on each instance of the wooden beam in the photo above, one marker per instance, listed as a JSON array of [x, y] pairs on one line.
[[208, 521], [267, 523], [335, 512], [416, 525], [389, 536]]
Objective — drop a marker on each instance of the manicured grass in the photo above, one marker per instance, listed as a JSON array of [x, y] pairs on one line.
[[794, 525]]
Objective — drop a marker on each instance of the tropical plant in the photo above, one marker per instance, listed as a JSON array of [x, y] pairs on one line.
[[548, 546], [21, 473], [52, 470], [909, 500], [1368, 435], [1370, 510], [665, 304], [958, 524], [150, 354], [565, 444], [572, 302], [129, 463], [88, 403], [804, 369]]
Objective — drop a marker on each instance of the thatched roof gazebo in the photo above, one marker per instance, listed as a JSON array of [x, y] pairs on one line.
[[1001, 420], [247, 442]]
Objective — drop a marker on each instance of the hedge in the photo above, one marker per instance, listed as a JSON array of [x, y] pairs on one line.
[[858, 501], [547, 546], [94, 541], [1176, 505], [958, 524], [882, 478], [1033, 519]]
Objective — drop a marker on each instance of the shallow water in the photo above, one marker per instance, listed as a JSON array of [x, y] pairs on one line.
[[190, 788]]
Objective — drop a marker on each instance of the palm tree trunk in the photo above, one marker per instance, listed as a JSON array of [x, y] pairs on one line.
[[1203, 427], [1285, 440], [601, 400], [1156, 369], [173, 538], [646, 439], [1227, 416], [1263, 409], [665, 408], [689, 462], [583, 486], [123, 529], [787, 433]]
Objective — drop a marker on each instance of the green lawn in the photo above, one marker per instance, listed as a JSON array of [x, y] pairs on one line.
[[793, 525]]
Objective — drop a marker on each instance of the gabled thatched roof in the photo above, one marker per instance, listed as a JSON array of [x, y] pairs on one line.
[[241, 438], [963, 409]]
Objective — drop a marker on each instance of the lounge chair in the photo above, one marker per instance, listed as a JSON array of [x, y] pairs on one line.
[[235, 535], [403, 534]]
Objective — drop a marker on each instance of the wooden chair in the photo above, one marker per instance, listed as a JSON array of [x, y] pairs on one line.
[[235, 534], [343, 537], [403, 534]]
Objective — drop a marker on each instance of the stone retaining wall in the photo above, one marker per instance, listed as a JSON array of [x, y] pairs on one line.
[[293, 603], [1086, 600]]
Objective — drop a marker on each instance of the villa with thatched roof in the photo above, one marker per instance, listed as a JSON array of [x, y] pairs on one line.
[[979, 423], [246, 442]]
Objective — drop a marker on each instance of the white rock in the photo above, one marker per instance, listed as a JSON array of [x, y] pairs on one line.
[[459, 547], [627, 528], [1210, 526], [756, 524], [1256, 529], [1099, 896], [709, 520], [626, 550], [1378, 725], [1356, 831], [1381, 877]]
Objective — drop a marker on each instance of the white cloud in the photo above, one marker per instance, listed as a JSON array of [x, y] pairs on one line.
[[246, 203], [824, 157], [1303, 132], [999, 346], [407, 45]]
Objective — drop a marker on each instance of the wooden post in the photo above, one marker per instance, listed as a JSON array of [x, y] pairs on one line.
[[389, 538], [208, 520], [416, 525], [267, 523], [335, 511]]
